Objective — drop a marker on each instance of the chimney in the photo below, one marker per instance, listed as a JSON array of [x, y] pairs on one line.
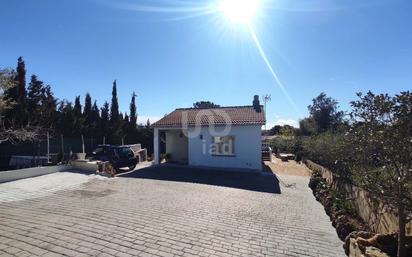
[[256, 103]]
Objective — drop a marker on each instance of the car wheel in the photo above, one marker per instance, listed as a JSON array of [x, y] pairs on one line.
[[131, 167]]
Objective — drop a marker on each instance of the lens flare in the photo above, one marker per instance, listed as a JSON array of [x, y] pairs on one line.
[[272, 71], [241, 11]]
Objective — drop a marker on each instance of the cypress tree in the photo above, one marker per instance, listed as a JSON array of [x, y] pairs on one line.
[[118, 129], [95, 119], [126, 118], [104, 118], [78, 117], [95, 109], [95, 113], [21, 81], [77, 109], [105, 112], [87, 111], [133, 114], [114, 109], [17, 95]]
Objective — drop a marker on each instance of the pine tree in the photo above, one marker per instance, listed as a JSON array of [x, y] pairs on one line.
[[133, 114], [48, 107], [34, 100], [114, 109], [66, 120]]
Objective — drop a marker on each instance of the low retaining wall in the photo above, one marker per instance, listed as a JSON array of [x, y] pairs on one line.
[[11, 175], [379, 219], [85, 165]]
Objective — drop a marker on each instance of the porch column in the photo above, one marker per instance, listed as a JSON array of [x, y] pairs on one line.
[[156, 146]]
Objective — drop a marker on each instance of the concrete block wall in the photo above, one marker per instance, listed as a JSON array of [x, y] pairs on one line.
[[11, 175]]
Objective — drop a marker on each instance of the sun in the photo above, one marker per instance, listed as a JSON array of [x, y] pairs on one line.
[[241, 11]]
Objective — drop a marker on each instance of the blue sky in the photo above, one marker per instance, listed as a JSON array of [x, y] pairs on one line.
[[170, 60]]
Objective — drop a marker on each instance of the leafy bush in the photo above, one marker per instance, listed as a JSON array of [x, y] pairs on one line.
[[315, 180], [341, 204], [282, 144], [287, 145], [331, 150]]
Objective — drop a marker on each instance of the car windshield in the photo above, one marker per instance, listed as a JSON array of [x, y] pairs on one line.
[[124, 152], [98, 150]]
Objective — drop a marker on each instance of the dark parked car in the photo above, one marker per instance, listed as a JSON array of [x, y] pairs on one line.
[[266, 152], [118, 156]]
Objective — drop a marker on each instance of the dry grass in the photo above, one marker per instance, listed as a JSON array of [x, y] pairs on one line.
[[287, 168]]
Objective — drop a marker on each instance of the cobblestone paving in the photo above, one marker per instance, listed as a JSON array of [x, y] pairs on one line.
[[146, 217]]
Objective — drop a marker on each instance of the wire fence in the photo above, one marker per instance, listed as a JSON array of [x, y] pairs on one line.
[[60, 148]]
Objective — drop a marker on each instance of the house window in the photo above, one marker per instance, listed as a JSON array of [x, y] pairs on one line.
[[223, 145]]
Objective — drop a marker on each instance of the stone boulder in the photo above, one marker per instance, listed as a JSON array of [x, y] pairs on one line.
[[366, 244], [370, 251], [374, 252], [354, 235]]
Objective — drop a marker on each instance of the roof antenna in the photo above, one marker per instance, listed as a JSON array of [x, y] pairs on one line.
[[266, 98]]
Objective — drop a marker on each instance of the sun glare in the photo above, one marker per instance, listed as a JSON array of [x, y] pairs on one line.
[[241, 11]]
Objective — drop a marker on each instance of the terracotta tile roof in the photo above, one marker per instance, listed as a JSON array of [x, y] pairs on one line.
[[234, 115]]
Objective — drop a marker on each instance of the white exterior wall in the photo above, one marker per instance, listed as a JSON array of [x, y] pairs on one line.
[[156, 146], [177, 146], [248, 148]]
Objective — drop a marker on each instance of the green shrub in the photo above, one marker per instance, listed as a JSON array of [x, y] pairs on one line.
[[340, 203], [287, 145], [331, 150]]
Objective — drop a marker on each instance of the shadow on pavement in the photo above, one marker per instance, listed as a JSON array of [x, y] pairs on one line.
[[264, 181]]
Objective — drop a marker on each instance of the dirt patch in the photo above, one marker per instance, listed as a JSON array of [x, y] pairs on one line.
[[287, 168], [90, 193]]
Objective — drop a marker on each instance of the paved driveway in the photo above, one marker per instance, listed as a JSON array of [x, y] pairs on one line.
[[171, 212]]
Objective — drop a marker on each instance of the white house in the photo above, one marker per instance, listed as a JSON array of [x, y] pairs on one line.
[[228, 137]]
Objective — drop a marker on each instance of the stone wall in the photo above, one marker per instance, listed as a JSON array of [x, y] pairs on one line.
[[379, 219]]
